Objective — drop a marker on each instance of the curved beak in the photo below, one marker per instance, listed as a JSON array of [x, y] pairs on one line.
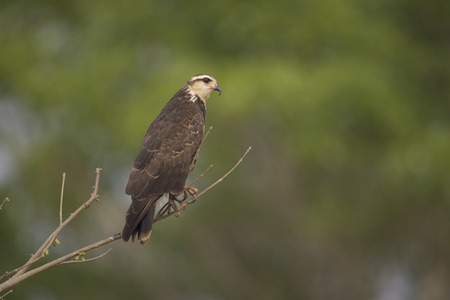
[[219, 89]]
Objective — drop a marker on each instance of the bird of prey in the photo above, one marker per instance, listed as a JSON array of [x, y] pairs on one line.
[[168, 153]]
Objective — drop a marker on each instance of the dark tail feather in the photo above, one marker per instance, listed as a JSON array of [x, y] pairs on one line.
[[139, 219], [144, 229]]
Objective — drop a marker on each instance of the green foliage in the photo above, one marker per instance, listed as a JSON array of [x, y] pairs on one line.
[[345, 105]]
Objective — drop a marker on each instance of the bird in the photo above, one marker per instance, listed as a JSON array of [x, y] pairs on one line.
[[167, 155]]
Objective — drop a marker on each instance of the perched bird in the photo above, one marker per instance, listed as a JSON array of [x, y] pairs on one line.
[[167, 155]]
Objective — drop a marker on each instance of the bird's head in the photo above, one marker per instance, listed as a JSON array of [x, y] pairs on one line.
[[203, 85]]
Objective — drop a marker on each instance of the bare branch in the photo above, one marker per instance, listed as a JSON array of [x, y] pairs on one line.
[[3, 296], [19, 278], [201, 175], [16, 270], [204, 138], [228, 173], [86, 260], [206, 134], [3, 203], [165, 211], [41, 251], [61, 200], [22, 273]]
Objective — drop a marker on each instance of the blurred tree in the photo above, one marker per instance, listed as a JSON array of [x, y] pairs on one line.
[[346, 105]]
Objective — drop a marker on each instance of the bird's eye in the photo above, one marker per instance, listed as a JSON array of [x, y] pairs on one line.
[[206, 80]]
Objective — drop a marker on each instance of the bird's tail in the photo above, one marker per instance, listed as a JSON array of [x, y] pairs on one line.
[[139, 219]]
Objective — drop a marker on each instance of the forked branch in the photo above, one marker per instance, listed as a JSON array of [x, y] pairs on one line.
[[3, 203], [78, 256], [172, 209], [21, 273]]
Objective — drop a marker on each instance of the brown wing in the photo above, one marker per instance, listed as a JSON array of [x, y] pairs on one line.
[[164, 161], [168, 151]]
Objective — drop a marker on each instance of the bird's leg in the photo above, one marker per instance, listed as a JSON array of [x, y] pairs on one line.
[[173, 204], [163, 211], [173, 199]]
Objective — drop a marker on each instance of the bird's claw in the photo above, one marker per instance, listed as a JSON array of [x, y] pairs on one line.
[[189, 190]]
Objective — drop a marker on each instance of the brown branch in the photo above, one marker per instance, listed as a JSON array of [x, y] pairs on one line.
[[19, 278], [200, 176], [62, 196], [3, 296], [165, 210], [228, 173], [82, 260], [16, 270], [22, 273], [207, 133], [43, 250], [3, 203]]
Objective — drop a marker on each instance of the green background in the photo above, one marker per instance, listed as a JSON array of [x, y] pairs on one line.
[[346, 104]]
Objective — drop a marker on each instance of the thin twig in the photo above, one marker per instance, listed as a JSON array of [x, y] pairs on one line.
[[19, 278], [41, 251], [62, 196], [228, 173], [204, 138], [162, 216], [201, 175], [3, 296], [3, 203], [207, 133], [86, 260], [29, 263]]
